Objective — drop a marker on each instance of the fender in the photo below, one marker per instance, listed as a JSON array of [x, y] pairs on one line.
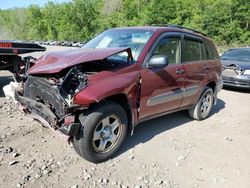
[[105, 87], [126, 83]]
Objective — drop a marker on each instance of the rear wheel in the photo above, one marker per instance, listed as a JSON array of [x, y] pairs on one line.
[[104, 130], [204, 106]]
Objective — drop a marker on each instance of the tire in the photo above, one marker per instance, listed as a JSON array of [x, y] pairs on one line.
[[104, 129], [76, 139], [204, 106], [76, 146]]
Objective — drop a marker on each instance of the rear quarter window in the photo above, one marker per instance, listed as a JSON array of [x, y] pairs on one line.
[[211, 50]]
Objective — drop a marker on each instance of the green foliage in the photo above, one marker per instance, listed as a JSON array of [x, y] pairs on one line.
[[227, 21], [161, 12], [36, 23], [12, 23]]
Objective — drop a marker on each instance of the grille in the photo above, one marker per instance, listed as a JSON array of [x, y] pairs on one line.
[[230, 72], [235, 81], [240, 83], [40, 90]]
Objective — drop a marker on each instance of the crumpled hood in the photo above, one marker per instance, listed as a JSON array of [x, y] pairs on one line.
[[56, 61], [241, 64]]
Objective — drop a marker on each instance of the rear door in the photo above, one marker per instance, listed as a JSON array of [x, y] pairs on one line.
[[196, 67], [162, 89]]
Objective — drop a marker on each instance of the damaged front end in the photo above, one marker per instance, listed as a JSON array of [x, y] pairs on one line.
[[49, 97]]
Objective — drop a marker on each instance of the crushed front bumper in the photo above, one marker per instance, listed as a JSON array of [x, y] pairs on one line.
[[66, 125], [31, 106], [240, 81]]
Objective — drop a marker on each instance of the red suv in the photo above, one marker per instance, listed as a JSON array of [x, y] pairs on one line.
[[124, 76]]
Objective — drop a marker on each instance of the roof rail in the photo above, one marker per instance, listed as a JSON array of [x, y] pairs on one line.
[[182, 27]]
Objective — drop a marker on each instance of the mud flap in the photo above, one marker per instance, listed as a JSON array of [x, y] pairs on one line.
[[215, 96], [217, 89], [71, 129]]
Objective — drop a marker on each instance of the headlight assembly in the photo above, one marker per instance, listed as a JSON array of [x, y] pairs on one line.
[[247, 72]]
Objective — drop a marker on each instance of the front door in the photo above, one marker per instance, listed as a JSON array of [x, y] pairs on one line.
[[162, 88]]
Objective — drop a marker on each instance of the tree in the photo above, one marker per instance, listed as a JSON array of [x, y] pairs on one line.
[[36, 23], [227, 21], [85, 17], [161, 12]]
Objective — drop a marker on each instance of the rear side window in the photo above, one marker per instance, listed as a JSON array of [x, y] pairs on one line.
[[193, 50], [211, 50]]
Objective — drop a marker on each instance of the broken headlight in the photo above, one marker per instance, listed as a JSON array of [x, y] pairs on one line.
[[247, 72], [73, 82]]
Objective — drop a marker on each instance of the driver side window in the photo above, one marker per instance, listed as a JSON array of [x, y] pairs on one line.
[[170, 47]]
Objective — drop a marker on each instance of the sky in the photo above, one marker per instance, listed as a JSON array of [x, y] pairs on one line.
[[6, 4]]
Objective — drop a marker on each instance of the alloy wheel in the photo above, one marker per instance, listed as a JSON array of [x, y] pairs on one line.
[[107, 134]]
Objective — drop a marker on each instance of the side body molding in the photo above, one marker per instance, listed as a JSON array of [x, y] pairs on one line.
[[173, 95]]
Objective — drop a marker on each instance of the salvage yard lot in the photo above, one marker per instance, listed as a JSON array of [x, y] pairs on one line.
[[171, 151]]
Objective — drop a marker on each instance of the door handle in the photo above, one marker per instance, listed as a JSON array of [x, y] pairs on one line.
[[180, 71]]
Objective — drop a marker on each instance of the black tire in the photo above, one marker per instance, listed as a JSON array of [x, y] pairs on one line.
[[201, 111], [76, 139], [76, 145], [91, 121]]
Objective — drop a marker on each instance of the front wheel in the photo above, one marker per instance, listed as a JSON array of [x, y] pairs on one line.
[[204, 106], [104, 130]]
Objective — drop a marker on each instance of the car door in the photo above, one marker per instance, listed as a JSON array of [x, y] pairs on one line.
[[162, 87], [196, 67]]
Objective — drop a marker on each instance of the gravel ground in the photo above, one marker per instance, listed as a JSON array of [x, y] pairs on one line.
[[171, 151]]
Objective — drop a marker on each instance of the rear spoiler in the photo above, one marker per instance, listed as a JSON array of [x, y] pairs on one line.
[[15, 48]]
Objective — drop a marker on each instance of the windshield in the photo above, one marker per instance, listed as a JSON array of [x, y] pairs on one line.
[[132, 38], [237, 55]]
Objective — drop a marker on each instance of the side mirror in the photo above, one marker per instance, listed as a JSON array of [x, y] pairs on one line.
[[158, 61]]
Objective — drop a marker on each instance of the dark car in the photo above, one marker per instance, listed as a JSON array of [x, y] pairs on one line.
[[66, 43], [97, 94], [236, 68]]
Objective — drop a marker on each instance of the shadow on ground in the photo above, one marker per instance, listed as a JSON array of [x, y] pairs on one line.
[[4, 80], [149, 129]]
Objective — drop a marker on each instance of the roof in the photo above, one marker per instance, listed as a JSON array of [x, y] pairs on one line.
[[171, 28]]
